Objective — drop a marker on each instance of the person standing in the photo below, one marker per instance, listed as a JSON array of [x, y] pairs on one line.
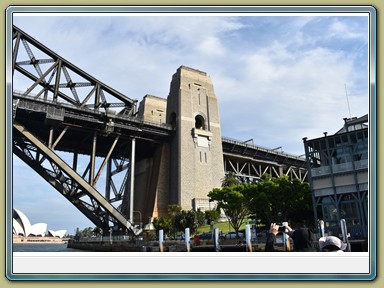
[[271, 238], [303, 239]]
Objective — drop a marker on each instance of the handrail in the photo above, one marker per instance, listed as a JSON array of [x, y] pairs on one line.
[[261, 148]]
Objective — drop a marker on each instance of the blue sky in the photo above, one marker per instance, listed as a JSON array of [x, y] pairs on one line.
[[277, 78]]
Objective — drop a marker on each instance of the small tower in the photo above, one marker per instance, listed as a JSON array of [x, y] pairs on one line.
[[196, 150]]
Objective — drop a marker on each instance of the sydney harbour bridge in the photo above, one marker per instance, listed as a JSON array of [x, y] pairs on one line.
[[86, 140]]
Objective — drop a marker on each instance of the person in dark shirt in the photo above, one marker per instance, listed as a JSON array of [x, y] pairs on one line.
[[302, 239], [271, 237]]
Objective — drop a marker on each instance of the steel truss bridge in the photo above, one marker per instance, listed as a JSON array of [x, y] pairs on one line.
[[249, 162], [81, 135]]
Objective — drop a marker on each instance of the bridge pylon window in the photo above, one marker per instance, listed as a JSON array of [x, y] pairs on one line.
[[200, 122]]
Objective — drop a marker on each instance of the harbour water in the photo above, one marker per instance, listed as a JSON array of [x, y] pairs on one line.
[[43, 247]]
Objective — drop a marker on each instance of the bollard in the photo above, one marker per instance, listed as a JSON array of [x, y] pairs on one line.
[[216, 240], [161, 239], [187, 244], [344, 232], [321, 224], [110, 235], [248, 237]]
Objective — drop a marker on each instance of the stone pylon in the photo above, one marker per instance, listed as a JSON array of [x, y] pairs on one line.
[[196, 154]]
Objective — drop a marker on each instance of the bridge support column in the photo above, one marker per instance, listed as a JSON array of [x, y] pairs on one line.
[[108, 180], [93, 159], [132, 179]]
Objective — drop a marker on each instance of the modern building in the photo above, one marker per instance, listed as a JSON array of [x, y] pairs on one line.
[[338, 174], [59, 233], [23, 227]]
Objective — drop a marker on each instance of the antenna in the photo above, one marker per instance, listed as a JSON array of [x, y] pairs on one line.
[[346, 94]]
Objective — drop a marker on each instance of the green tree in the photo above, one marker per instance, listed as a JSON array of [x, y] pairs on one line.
[[85, 233], [199, 218], [229, 179], [211, 215], [77, 235], [233, 201], [186, 219], [163, 223], [302, 206], [173, 210], [97, 231], [280, 199]]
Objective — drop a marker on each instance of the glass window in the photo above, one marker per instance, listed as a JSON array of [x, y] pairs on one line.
[[329, 209], [348, 210]]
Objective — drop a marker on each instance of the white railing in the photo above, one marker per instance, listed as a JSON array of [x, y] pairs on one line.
[[319, 171], [343, 167]]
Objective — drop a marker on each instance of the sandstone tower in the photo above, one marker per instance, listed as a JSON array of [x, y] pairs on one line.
[[152, 170], [196, 156]]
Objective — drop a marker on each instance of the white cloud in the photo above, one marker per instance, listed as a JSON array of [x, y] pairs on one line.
[[339, 29], [287, 95], [211, 46]]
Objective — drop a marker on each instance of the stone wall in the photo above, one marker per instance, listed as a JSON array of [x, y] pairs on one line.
[[153, 109]]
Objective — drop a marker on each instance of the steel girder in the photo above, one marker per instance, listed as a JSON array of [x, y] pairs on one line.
[[62, 108], [81, 193], [250, 169], [249, 162], [52, 77]]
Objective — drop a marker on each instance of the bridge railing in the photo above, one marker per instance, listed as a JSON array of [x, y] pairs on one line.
[[261, 148]]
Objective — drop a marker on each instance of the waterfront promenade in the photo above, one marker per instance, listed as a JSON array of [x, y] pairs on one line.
[[229, 245], [38, 240]]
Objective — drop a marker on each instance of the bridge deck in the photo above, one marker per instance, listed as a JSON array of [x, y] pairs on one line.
[[237, 149], [81, 124]]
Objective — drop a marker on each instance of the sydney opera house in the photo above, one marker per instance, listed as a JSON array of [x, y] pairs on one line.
[[23, 227]]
